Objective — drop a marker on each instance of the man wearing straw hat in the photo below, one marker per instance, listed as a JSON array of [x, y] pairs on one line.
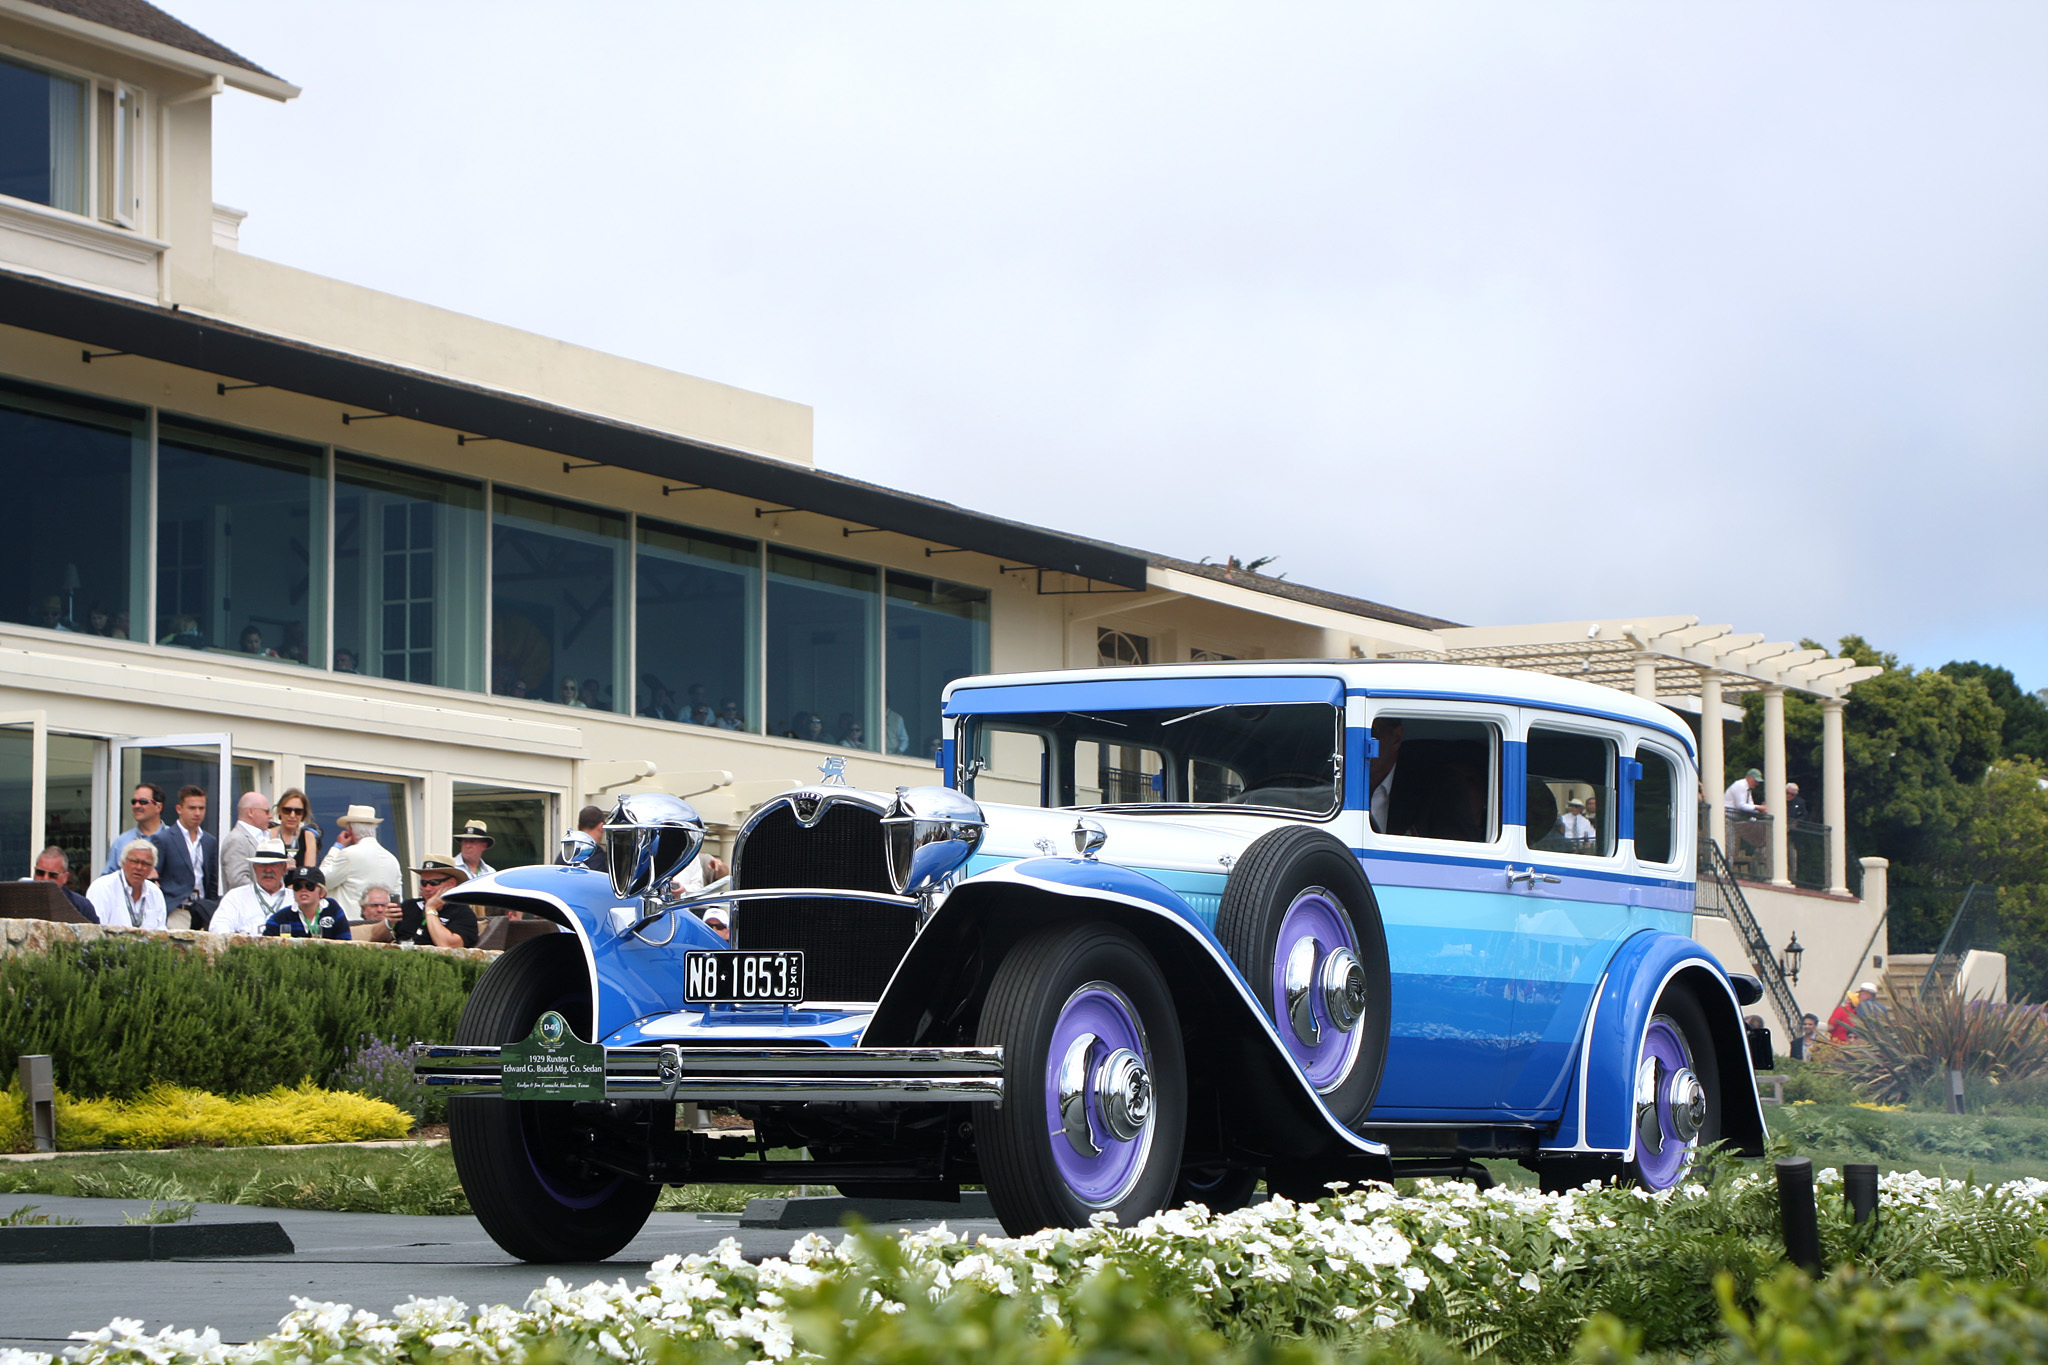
[[357, 861], [426, 919], [470, 846], [250, 906]]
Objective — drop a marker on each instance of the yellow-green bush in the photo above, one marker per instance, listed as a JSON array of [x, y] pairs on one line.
[[169, 1116]]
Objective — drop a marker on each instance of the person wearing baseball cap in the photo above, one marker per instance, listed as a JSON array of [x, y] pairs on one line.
[[1842, 1023], [470, 846], [312, 912]]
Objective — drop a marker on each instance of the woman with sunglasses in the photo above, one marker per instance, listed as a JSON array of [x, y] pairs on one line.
[[295, 828]]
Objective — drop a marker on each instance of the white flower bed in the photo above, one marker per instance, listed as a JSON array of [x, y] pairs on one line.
[[1362, 1258]]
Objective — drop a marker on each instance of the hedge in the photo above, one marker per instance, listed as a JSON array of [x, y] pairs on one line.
[[119, 1016]]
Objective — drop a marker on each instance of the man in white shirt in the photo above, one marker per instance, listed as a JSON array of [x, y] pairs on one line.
[[126, 896], [357, 861], [1577, 830], [247, 908], [469, 849], [1746, 815], [1740, 798], [237, 850]]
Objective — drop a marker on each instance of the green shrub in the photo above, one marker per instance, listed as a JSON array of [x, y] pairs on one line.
[[1813, 1083], [382, 1071], [1897, 1050], [121, 1015]]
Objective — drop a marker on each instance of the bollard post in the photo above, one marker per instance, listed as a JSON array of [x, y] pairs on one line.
[[1955, 1091], [39, 1088], [1797, 1213], [1859, 1187]]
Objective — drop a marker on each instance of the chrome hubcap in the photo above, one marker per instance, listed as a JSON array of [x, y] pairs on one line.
[[1299, 982], [1688, 1100], [1343, 982], [1120, 1085]]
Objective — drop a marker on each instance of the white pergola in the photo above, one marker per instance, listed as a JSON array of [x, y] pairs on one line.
[[1668, 658]]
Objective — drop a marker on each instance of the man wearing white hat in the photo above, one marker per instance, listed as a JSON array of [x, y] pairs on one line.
[[247, 908], [357, 861], [470, 846]]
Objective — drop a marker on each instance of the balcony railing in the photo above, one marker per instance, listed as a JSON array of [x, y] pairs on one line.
[[1749, 847]]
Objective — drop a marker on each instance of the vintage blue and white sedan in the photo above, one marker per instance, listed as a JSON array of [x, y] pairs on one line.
[[1157, 935]]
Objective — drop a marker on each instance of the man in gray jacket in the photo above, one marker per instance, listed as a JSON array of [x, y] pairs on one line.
[[252, 827]]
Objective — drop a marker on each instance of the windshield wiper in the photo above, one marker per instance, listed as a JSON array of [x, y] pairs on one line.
[[1099, 720], [1192, 714]]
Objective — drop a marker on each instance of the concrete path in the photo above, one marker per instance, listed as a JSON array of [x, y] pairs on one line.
[[371, 1260]]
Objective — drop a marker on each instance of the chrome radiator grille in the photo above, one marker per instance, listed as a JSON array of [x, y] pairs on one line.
[[850, 949]]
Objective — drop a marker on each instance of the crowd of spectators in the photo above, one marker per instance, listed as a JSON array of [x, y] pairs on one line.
[[267, 877]]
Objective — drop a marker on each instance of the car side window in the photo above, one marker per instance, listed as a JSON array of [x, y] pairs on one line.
[[1012, 768], [1436, 778], [1117, 774], [1655, 809], [1571, 793]]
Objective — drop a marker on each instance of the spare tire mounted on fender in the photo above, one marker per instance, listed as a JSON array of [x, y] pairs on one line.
[[1300, 921]]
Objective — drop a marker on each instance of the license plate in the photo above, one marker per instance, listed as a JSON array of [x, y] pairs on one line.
[[740, 977]]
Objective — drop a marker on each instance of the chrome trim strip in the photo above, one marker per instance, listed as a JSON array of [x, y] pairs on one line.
[[905, 1089], [944, 1062], [818, 893]]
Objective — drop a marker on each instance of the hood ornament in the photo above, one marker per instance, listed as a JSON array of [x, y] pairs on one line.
[[834, 770], [1089, 837]]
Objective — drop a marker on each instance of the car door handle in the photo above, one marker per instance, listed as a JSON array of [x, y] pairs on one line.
[[1529, 878]]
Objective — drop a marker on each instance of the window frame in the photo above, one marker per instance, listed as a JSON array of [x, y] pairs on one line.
[[1536, 719], [1504, 729], [1678, 822], [124, 143]]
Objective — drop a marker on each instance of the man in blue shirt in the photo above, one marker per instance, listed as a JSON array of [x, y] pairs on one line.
[[146, 803]]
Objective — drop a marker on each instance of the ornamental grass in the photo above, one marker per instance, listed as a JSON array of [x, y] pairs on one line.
[[1896, 1052], [172, 1116]]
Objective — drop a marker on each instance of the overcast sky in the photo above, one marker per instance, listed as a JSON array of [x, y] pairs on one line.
[[1503, 313]]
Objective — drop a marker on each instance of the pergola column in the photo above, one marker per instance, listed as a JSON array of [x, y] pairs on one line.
[[1646, 675], [1713, 759], [1834, 783], [1774, 781]]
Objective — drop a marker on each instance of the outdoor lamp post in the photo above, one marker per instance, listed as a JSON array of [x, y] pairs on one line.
[[1789, 956]]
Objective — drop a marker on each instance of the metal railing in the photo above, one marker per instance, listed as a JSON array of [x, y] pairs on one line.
[[1749, 846], [1975, 918], [1716, 892]]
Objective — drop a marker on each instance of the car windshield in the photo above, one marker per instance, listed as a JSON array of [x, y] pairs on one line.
[[1281, 756]]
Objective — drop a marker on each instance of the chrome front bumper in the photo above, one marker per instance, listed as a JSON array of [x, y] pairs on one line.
[[937, 1075]]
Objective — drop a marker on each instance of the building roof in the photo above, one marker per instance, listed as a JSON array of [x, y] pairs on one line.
[[1298, 592], [140, 19]]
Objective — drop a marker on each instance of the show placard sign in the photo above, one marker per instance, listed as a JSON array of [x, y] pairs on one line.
[[552, 1064]]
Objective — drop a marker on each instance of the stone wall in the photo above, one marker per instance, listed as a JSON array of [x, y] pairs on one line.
[[38, 935]]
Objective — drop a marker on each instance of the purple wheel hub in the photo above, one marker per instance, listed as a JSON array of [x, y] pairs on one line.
[[1314, 928], [1666, 1066], [1098, 1095]]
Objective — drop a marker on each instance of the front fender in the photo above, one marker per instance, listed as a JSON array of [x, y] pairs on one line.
[[630, 978], [1248, 1090], [1599, 1113]]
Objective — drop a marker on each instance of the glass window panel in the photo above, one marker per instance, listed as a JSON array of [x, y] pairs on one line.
[[937, 632], [77, 463], [332, 793], [239, 543], [68, 802], [557, 596], [821, 649], [404, 541], [1571, 793], [1655, 811], [699, 627], [17, 755], [42, 137], [1441, 778], [517, 822]]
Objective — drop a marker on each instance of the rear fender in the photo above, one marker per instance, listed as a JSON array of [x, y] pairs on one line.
[[630, 977], [1599, 1112], [1248, 1088]]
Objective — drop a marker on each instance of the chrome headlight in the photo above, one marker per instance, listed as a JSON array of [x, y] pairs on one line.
[[648, 838], [577, 848], [928, 833]]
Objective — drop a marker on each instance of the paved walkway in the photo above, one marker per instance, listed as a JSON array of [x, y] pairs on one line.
[[371, 1260]]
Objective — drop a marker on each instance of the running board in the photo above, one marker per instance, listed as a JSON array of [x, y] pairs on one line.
[[932, 1075]]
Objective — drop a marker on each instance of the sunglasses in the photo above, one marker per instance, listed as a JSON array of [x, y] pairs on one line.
[[438, 881], [291, 810], [45, 875], [142, 801]]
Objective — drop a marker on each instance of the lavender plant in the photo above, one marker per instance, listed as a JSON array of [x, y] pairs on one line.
[[384, 1071]]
